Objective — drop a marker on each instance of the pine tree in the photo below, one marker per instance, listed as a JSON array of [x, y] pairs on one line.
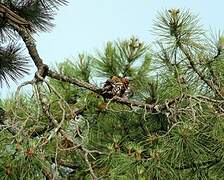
[[167, 125]]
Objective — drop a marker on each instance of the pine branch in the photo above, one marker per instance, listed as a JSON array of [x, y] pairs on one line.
[[199, 73]]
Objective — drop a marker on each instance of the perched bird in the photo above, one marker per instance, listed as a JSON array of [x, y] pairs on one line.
[[115, 86]]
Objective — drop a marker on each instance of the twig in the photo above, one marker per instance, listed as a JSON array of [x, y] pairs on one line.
[[174, 125], [90, 166], [22, 85]]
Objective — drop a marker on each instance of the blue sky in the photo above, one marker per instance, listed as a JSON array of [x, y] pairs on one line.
[[86, 26]]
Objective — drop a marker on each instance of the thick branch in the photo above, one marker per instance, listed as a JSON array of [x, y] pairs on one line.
[[74, 81], [31, 46]]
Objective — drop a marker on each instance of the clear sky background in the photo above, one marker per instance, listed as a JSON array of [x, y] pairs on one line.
[[86, 26]]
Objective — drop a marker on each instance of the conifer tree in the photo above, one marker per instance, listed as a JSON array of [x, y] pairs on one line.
[[168, 124]]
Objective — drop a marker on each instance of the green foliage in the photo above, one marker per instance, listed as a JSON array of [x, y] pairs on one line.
[[80, 68], [119, 58]]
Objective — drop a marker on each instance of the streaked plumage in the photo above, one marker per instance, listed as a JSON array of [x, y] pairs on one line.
[[115, 86]]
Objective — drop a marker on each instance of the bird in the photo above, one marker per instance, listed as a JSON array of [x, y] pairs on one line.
[[115, 86]]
